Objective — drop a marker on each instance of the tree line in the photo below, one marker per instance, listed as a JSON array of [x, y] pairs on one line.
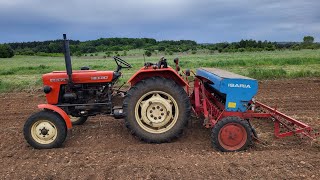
[[109, 45], [253, 45]]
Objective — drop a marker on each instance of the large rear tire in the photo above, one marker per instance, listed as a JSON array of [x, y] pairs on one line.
[[156, 110], [45, 130], [231, 134]]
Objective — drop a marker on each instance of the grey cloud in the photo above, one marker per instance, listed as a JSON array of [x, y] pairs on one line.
[[200, 20]]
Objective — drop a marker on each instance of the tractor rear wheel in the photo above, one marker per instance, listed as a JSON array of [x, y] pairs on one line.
[[157, 110], [45, 130], [231, 134], [78, 120]]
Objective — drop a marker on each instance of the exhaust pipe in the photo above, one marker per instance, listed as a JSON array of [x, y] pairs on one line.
[[67, 59]]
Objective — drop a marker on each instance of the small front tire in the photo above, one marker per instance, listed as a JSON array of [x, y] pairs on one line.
[[45, 130]]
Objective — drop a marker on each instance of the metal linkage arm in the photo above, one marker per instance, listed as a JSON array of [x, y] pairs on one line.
[[292, 125]]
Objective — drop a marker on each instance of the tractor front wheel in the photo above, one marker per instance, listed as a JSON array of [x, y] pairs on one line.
[[45, 130], [157, 110], [231, 134]]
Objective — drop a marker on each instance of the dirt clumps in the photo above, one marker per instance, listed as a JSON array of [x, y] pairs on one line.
[[102, 148]]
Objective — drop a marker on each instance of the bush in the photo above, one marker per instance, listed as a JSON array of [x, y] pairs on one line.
[[78, 54], [296, 47], [108, 53], [115, 48], [241, 49], [104, 57], [96, 54], [49, 54], [148, 53], [194, 52], [161, 48], [6, 51]]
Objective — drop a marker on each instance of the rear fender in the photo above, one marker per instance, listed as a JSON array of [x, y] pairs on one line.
[[58, 110], [168, 73]]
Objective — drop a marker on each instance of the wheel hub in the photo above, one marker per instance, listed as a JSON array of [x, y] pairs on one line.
[[44, 131], [156, 111], [232, 136]]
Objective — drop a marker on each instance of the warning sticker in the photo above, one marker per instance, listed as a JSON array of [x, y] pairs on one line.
[[232, 105]]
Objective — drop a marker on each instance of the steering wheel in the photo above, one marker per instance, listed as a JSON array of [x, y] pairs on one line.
[[121, 63]]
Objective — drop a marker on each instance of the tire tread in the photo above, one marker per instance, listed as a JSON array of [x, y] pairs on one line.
[[142, 85]]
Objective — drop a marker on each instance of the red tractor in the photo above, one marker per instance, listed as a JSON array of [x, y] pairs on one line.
[[157, 106]]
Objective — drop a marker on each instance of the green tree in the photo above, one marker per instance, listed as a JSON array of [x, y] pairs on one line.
[[6, 51], [308, 39], [54, 47]]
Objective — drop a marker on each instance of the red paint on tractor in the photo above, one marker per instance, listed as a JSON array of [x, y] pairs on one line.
[[147, 72], [59, 111], [56, 78]]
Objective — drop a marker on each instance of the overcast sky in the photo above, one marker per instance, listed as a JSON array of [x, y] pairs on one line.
[[200, 20]]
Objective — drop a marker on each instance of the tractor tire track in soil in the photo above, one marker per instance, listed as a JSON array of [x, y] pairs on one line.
[[102, 148]]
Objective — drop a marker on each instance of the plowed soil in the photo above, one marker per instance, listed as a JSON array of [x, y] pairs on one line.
[[102, 148]]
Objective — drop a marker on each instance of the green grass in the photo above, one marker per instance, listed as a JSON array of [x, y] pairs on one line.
[[24, 72]]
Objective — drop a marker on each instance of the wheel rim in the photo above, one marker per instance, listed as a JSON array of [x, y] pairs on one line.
[[232, 136], [156, 112], [73, 118], [44, 132]]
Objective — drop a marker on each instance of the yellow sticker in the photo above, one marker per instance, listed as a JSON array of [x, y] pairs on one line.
[[232, 105]]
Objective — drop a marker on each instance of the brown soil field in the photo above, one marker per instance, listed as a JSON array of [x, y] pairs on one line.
[[102, 148]]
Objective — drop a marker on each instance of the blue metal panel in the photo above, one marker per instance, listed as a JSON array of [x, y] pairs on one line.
[[239, 90]]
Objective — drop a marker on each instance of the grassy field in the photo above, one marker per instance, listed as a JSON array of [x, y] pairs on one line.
[[24, 72]]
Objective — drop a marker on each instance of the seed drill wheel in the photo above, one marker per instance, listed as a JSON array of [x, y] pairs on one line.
[[157, 110], [45, 130], [78, 120], [231, 134]]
